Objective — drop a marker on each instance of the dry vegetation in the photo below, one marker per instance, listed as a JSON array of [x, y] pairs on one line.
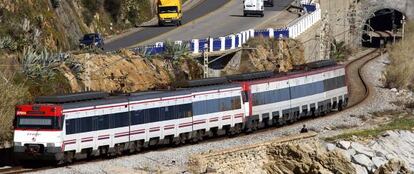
[[400, 72], [10, 94]]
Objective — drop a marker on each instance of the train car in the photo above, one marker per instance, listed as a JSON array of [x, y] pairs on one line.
[[286, 98], [67, 127]]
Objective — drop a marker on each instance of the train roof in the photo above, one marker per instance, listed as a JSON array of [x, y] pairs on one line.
[[138, 96], [87, 99]]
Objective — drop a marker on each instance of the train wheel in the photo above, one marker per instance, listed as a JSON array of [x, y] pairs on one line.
[[340, 106], [132, 147], [69, 156]]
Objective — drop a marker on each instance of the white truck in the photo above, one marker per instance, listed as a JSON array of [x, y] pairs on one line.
[[253, 7]]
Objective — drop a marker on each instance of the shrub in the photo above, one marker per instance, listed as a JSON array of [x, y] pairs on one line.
[[11, 94], [339, 50], [400, 72], [175, 51]]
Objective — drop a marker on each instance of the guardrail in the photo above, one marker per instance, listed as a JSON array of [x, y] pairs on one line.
[[233, 41]]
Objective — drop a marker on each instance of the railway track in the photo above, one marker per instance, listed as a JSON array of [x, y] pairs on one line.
[[359, 91]]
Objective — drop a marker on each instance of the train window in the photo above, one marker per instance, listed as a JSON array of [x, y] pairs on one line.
[[102, 122], [235, 103], [119, 120], [70, 126], [137, 117], [85, 124], [200, 108], [154, 115]]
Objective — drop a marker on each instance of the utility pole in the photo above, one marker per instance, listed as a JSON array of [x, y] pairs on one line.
[[403, 27], [325, 36], [87, 73], [394, 26], [205, 56]]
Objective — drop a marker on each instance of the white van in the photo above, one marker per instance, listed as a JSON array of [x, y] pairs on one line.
[[253, 7]]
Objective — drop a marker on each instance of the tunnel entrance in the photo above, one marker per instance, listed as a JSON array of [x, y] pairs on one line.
[[389, 21]]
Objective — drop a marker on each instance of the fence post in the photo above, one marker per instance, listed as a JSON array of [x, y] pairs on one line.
[[223, 43], [271, 32], [211, 43], [233, 41], [240, 40], [196, 45], [295, 29], [251, 33], [244, 37]]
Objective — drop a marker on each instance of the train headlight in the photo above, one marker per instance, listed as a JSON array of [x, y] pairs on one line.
[[50, 144], [17, 144]]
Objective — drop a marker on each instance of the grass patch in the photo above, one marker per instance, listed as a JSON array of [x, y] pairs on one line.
[[395, 124]]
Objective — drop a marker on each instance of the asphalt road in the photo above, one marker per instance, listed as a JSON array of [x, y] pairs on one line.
[[149, 32], [223, 21]]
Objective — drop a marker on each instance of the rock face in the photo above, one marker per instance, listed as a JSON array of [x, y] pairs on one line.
[[393, 166], [271, 55], [307, 158], [392, 153], [39, 22], [127, 72], [288, 158]]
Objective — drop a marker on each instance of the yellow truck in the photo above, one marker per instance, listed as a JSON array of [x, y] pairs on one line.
[[169, 12]]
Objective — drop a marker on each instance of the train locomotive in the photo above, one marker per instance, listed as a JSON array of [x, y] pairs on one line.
[[67, 127]]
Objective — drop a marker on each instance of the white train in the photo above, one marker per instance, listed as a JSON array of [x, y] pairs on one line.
[[86, 124]]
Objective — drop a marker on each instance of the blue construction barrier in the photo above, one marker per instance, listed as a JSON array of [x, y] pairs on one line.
[[284, 33], [216, 44], [201, 44], [263, 33], [309, 7], [227, 44], [237, 41]]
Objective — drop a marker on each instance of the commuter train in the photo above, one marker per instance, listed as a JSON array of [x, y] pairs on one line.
[[73, 126]]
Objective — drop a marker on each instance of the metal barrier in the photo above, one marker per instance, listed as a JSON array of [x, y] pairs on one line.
[[294, 29]]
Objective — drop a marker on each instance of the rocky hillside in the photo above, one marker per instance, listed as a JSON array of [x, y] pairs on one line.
[[128, 72], [262, 54], [58, 24], [390, 153], [287, 155]]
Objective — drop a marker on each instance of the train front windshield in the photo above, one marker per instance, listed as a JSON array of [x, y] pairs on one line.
[[38, 122]]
